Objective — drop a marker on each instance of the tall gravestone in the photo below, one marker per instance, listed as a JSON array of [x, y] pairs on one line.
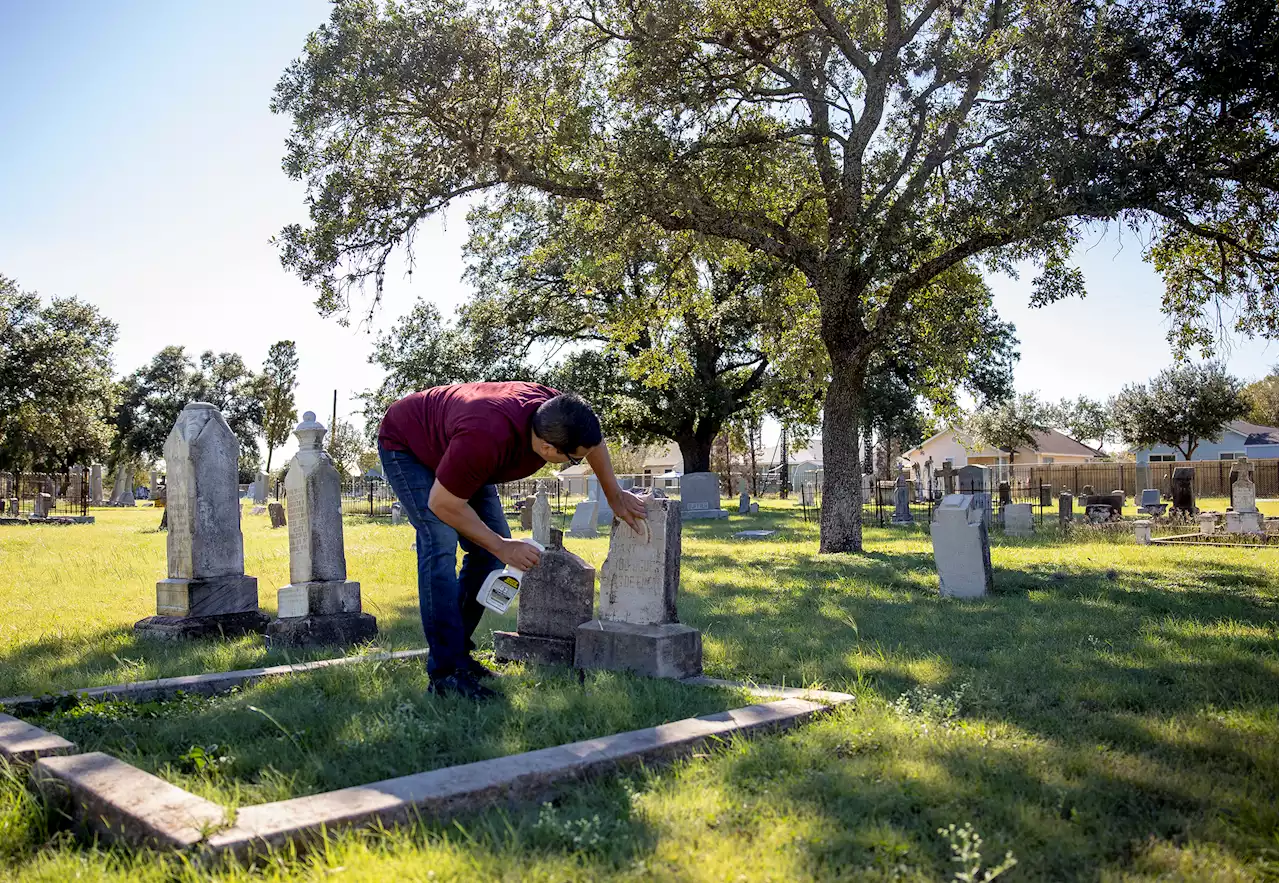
[[638, 629], [206, 591], [744, 498], [700, 496], [95, 484], [320, 605], [122, 490], [1243, 516], [526, 513], [961, 548], [556, 597], [868, 488], [155, 483], [1184, 498], [75, 486], [541, 525]]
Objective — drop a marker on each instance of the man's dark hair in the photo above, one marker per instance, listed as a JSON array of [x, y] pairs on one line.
[[567, 422]]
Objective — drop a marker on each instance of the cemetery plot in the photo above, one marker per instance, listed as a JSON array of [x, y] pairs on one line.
[[347, 726]]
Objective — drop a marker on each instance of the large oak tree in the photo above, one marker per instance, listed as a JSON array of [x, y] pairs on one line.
[[871, 146]]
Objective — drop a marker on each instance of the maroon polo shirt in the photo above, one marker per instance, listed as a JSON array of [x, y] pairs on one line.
[[468, 434]]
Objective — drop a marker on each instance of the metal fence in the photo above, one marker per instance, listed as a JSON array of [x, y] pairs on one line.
[[68, 493]]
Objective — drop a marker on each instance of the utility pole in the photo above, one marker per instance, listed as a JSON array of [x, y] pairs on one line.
[[333, 426], [786, 466]]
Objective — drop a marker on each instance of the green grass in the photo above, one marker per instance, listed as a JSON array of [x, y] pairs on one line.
[[1109, 714], [285, 737]]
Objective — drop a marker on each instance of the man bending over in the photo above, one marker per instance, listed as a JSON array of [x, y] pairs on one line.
[[443, 451]]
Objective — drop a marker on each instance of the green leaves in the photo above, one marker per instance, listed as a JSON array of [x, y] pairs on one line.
[[1182, 406]]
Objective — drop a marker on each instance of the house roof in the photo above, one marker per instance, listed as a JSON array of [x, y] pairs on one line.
[[1255, 434], [1050, 441]]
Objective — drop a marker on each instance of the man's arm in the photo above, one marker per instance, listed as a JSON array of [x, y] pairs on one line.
[[455, 512], [625, 506]]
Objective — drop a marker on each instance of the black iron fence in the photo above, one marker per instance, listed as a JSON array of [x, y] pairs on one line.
[[32, 494]]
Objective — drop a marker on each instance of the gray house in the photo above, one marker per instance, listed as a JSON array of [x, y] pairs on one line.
[[1238, 439]]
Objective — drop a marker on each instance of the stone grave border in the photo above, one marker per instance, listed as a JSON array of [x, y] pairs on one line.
[[122, 803]]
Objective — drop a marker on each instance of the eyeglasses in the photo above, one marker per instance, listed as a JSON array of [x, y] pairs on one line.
[[573, 461]]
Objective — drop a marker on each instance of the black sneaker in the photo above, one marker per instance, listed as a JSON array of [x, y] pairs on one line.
[[461, 683], [477, 669]]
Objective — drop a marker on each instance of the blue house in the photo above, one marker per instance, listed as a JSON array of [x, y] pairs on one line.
[[1239, 439]]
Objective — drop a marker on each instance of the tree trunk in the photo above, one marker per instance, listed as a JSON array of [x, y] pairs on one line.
[[841, 463], [696, 451], [753, 436], [269, 450]]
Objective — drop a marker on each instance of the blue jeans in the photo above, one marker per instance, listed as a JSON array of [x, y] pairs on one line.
[[447, 599]]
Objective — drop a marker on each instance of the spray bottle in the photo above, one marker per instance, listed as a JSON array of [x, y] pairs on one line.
[[500, 586]]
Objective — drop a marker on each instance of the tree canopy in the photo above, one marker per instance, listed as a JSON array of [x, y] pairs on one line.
[[1181, 407], [279, 381], [154, 395], [1262, 397], [56, 389], [1010, 424], [870, 147]]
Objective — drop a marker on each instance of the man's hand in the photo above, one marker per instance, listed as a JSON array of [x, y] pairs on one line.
[[629, 508], [518, 554]]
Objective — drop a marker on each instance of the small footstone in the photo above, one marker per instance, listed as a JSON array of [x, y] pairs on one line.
[[184, 627], [754, 534]]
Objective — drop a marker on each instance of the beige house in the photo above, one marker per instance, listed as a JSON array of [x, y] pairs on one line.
[[957, 446]]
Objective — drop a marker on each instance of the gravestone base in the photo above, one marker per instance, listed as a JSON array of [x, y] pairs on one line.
[[537, 649], [668, 650], [318, 598], [686, 514], [184, 628], [1244, 522], [212, 596], [333, 629]]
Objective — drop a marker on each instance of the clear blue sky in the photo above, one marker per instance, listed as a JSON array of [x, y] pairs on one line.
[[140, 171]]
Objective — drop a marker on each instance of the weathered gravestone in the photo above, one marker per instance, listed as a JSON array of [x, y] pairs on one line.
[[555, 598], [260, 489], [1046, 496], [526, 514], [975, 481], [1243, 516], [1244, 496], [948, 478], [1208, 523], [320, 605], [42, 505], [122, 490], [583, 524], [95, 484], [744, 500], [1184, 498], [155, 483], [1066, 504], [868, 487], [206, 592], [700, 496], [808, 494], [1019, 521], [541, 518], [901, 501], [1149, 501], [961, 549], [1142, 532], [1006, 494], [753, 509], [638, 629], [397, 512], [276, 511]]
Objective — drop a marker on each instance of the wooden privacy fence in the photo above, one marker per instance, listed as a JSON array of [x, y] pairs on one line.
[[1212, 477]]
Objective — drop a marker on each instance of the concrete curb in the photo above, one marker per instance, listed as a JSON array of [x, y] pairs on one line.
[[20, 742], [204, 685]]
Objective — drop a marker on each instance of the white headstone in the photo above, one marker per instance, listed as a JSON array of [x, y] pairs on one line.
[[1208, 523], [584, 520], [961, 549], [1142, 532], [396, 510], [744, 503], [122, 491], [317, 557], [41, 505], [700, 496], [1019, 520], [1244, 496], [260, 489], [807, 494], [641, 575], [604, 512]]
